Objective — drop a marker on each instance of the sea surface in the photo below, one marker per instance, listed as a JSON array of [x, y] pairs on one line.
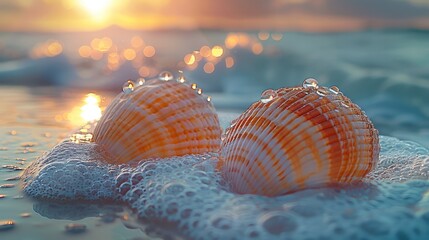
[[386, 72]]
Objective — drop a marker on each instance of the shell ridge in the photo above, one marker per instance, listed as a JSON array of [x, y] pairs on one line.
[[320, 138], [241, 123], [263, 129], [153, 121]]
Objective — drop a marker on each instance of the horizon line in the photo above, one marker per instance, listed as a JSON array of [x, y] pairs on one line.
[[176, 29]]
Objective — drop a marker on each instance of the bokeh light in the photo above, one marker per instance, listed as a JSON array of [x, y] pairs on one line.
[[50, 48], [217, 51], [129, 54], [229, 62], [137, 42], [209, 67], [149, 51], [85, 51], [276, 36], [263, 36], [189, 59]]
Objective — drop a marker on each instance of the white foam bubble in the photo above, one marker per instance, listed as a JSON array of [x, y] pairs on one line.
[[71, 171], [392, 203]]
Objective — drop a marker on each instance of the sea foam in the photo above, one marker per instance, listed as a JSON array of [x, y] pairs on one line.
[[187, 192]]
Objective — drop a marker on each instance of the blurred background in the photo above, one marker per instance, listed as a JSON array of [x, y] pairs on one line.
[[58, 56]]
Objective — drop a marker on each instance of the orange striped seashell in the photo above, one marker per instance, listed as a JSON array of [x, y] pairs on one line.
[[158, 119], [298, 138]]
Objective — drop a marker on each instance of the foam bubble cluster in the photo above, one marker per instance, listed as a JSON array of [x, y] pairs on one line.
[[187, 192], [400, 161], [71, 171]]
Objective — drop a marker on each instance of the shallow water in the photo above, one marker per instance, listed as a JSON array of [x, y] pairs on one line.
[[32, 122]]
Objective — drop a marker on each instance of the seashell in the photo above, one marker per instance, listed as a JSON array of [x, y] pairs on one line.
[[158, 119], [298, 138]]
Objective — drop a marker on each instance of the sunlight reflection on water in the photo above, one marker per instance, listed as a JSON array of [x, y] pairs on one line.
[[33, 121]]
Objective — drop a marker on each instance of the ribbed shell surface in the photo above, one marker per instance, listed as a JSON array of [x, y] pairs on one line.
[[158, 119], [303, 138]]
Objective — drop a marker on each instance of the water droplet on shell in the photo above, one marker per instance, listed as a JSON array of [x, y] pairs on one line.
[[334, 89], [165, 76], [322, 91], [128, 87], [344, 104], [268, 95], [200, 91], [140, 82], [181, 78], [194, 86], [310, 83], [209, 99]]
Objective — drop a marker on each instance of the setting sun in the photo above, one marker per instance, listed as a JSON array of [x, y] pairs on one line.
[[96, 8]]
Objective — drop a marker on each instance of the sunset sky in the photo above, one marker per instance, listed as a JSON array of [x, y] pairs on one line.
[[305, 15]]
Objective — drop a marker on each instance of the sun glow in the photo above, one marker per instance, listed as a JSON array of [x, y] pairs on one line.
[[97, 8], [91, 111]]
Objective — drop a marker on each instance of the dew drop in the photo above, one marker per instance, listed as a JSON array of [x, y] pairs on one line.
[[344, 104], [140, 82], [181, 78], [165, 76], [128, 87], [268, 95], [310, 83], [334, 89], [209, 99], [200, 91], [322, 91], [194, 86]]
